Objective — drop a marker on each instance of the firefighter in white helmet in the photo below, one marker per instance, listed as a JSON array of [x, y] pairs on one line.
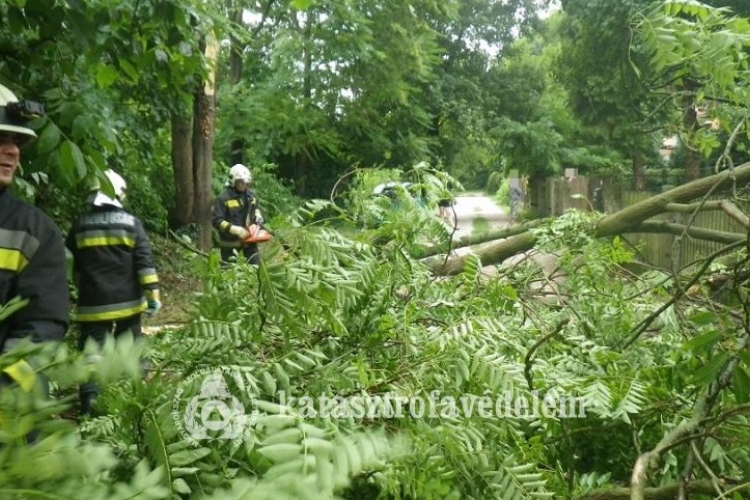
[[32, 261], [234, 210], [114, 271]]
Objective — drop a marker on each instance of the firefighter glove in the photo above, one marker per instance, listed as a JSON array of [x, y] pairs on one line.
[[259, 218], [239, 231], [153, 300], [22, 373]]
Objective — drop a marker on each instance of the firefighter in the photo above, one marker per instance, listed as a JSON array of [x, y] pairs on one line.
[[32, 256], [234, 210], [114, 272]]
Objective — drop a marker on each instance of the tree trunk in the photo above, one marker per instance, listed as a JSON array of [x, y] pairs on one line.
[[639, 171], [690, 122], [629, 219], [203, 143], [237, 147], [301, 166], [182, 168]]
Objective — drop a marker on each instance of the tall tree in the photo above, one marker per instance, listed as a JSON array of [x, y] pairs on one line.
[[606, 92]]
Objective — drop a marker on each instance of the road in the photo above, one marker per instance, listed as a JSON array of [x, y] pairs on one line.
[[478, 211], [471, 208]]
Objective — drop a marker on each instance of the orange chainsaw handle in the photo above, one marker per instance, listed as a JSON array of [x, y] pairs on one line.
[[257, 234]]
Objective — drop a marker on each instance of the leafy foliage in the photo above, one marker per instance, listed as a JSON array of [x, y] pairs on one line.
[[503, 395]]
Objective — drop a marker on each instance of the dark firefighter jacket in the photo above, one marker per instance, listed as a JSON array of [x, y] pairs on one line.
[[32, 265], [113, 264], [232, 208]]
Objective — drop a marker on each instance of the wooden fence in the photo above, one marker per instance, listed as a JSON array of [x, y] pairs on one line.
[[553, 196]]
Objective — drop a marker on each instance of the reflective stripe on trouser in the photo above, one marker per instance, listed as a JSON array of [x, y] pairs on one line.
[[110, 311]]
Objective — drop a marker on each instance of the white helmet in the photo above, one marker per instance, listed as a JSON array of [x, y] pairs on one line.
[[240, 172], [15, 115], [118, 184]]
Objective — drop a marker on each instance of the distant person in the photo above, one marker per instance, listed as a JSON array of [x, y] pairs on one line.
[[515, 198], [445, 206], [114, 272], [234, 210], [598, 198]]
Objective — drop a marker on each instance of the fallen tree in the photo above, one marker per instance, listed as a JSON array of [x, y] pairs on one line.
[[632, 219]]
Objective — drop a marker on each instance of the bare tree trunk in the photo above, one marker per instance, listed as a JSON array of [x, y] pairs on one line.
[[182, 168], [237, 147], [690, 122], [235, 47], [301, 166], [639, 171], [203, 143]]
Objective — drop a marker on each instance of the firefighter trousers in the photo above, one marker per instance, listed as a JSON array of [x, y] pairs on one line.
[[99, 331]]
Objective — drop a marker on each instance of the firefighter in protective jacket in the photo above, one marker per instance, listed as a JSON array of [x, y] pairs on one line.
[[114, 272], [32, 255], [234, 210]]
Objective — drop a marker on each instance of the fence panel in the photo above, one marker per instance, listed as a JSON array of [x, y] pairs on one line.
[[555, 195]]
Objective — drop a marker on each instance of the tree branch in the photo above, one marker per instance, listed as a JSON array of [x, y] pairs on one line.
[[668, 492], [528, 362], [617, 223], [186, 245], [699, 233]]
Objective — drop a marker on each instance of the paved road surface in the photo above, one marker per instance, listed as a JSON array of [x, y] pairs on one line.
[[469, 208]]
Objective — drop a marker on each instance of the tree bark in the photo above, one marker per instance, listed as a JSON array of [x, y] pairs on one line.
[[690, 123], [668, 492], [203, 143], [639, 171], [302, 157], [182, 170], [626, 220], [237, 146]]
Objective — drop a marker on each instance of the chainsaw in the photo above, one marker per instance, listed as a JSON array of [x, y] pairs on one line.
[[257, 234]]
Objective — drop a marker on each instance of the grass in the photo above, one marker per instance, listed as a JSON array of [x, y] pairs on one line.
[[480, 225]]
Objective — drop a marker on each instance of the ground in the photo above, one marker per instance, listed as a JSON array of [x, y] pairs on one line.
[[178, 284], [477, 213]]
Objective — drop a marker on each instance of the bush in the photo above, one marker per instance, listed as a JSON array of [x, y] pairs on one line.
[[494, 182]]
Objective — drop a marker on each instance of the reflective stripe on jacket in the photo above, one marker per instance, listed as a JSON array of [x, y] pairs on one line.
[[32, 265], [113, 264], [232, 208]]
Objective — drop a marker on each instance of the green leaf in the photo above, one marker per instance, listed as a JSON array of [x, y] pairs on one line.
[[702, 342], [48, 139], [301, 4], [72, 160], [703, 318], [129, 70], [181, 486], [708, 372], [281, 452], [105, 75], [741, 385], [187, 457]]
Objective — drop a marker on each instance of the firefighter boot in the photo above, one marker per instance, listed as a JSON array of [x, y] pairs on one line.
[[88, 393]]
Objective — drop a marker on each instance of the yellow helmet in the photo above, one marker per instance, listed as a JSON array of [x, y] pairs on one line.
[[15, 115]]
